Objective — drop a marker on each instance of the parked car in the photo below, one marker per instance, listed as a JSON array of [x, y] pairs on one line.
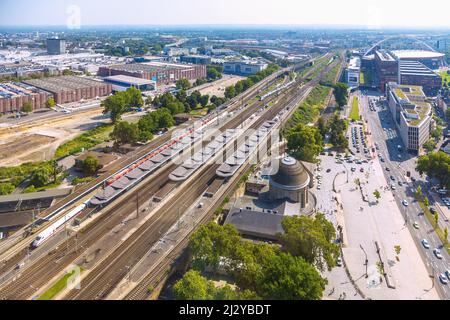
[[416, 225], [405, 203], [339, 262]]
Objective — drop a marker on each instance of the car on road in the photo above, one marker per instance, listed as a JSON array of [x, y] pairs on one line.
[[405, 203], [392, 178], [387, 169], [433, 210], [425, 244], [447, 274], [353, 169], [443, 278], [416, 225], [329, 170], [437, 253], [361, 170]]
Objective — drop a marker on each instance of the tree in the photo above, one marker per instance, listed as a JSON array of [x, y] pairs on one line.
[[437, 132], [446, 235], [338, 127], [419, 191], [6, 188], [193, 287], [230, 92], [90, 165], [311, 239], [304, 142], [426, 202], [183, 84], [429, 146], [398, 250], [290, 278], [377, 195], [125, 132], [115, 105], [27, 107], [436, 165], [323, 128], [133, 98], [436, 220], [40, 177], [50, 103], [341, 94], [204, 100]]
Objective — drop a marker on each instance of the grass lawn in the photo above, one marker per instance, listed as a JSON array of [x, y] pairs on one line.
[[354, 114], [87, 140], [57, 287], [199, 112], [445, 77]]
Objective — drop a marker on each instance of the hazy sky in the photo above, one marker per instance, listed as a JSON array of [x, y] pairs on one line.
[[370, 13]]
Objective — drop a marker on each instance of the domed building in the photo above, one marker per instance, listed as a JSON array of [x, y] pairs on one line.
[[291, 182]]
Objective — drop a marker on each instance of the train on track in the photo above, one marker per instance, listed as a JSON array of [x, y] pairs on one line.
[[52, 229]]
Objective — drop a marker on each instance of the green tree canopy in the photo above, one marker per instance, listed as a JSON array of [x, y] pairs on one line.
[[50, 103], [125, 132], [40, 177], [304, 142], [341, 94], [311, 239], [27, 107], [183, 84], [435, 165], [90, 165]]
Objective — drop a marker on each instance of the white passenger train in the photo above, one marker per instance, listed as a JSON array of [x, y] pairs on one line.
[[52, 229]]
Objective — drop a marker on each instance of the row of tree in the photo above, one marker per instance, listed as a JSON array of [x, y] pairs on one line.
[[243, 85], [261, 270]]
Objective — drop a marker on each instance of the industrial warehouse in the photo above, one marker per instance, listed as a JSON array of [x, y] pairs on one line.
[[161, 72], [68, 89], [14, 94]]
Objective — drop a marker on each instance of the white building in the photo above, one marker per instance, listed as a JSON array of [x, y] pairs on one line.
[[412, 114], [353, 72]]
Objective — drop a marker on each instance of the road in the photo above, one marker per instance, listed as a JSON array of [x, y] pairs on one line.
[[388, 143]]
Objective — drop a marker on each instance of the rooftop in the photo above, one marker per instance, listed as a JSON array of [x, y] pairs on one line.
[[416, 54], [130, 80], [149, 66], [63, 83], [413, 102]]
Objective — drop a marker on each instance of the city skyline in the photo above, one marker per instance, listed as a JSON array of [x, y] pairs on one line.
[[372, 15]]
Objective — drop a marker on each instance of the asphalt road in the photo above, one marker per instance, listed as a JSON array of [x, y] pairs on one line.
[[388, 143]]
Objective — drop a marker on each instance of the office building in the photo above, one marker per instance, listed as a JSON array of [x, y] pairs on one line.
[[196, 59], [56, 46], [386, 68], [122, 83], [244, 68], [416, 74], [412, 114]]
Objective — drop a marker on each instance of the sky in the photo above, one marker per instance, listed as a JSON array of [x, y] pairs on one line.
[[367, 13]]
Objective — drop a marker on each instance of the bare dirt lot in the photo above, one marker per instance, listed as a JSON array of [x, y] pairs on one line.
[[38, 140], [217, 88]]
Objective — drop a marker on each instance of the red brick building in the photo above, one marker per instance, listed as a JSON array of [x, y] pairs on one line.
[[13, 95], [161, 72]]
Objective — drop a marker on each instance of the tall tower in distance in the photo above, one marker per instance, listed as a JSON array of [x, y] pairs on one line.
[[56, 46]]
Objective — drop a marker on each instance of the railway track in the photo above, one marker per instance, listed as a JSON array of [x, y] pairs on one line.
[[100, 282], [234, 104], [45, 269]]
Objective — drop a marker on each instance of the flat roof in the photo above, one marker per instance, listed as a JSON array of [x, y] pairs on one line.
[[16, 89], [55, 193], [130, 80], [149, 67], [63, 83], [417, 54]]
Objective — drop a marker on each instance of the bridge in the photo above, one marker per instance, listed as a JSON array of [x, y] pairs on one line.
[[371, 50]]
